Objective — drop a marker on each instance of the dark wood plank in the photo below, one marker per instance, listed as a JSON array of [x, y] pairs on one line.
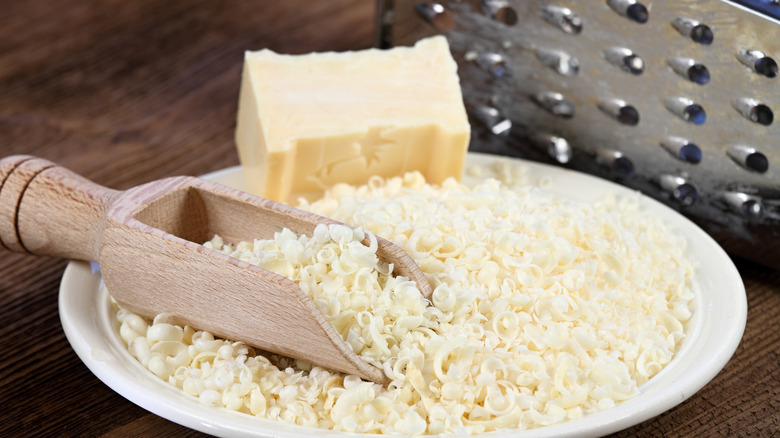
[[152, 426]]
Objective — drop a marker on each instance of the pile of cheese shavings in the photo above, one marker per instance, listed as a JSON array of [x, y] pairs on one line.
[[543, 310]]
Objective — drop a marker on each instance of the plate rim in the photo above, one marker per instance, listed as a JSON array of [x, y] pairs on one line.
[[104, 359]]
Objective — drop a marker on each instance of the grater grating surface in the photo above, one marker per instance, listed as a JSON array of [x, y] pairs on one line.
[[676, 99]]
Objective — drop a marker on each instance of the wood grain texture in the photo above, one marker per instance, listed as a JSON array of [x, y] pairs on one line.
[[129, 92], [48, 210], [147, 240]]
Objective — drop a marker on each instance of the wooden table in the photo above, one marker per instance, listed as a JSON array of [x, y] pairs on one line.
[[125, 92]]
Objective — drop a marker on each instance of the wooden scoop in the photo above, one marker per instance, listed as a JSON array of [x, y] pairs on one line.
[[148, 243]]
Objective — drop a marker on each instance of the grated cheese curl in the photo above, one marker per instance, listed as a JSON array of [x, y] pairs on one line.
[[543, 310]]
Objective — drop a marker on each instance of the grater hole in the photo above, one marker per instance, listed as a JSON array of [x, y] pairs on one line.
[[555, 104], [761, 114], [695, 72], [686, 109], [693, 29], [628, 115], [754, 111], [623, 166], [625, 59], [493, 63], [757, 162], [561, 62], [695, 114], [638, 12], [758, 62], [634, 64], [749, 158], [702, 34], [766, 66], [507, 16], [615, 161], [749, 206], [436, 14], [558, 148], [492, 119], [685, 194], [681, 190], [690, 153], [752, 209], [630, 9], [564, 109], [500, 10], [682, 149], [563, 18], [619, 110], [699, 74]]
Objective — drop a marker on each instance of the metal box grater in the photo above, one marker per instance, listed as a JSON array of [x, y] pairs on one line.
[[672, 98]]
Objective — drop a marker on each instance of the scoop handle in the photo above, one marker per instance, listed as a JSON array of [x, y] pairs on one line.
[[46, 209]]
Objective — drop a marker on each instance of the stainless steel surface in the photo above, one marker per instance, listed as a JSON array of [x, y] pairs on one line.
[[673, 98]]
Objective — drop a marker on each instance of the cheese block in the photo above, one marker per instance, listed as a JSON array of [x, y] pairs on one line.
[[307, 122]]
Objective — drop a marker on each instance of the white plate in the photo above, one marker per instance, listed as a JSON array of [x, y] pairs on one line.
[[713, 333]]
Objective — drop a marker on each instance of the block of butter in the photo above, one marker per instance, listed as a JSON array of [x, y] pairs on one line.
[[307, 122]]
